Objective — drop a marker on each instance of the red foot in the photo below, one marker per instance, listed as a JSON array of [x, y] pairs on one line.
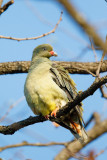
[[47, 117], [53, 113], [55, 124]]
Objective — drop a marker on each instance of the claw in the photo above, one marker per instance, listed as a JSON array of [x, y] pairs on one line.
[[47, 117], [53, 113], [55, 124]]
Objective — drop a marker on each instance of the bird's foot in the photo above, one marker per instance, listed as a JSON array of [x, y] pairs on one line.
[[47, 117], [53, 113], [55, 124]]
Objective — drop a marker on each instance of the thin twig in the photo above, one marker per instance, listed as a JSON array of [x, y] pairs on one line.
[[98, 72], [93, 48], [101, 152], [89, 121], [101, 61], [34, 38], [99, 67], [11, 107], [24, 143], [84, 69], [102, 91]]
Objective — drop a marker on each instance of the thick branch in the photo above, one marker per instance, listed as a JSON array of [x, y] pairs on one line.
[[11, 129], [75, 146], [89, 29], [72, 67], [5, 7]]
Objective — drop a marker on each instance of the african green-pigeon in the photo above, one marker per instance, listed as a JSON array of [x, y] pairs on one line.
[[48, 87]]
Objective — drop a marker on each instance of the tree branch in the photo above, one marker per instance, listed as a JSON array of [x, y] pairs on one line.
[[81, 96], [5, 7], [89, 29], [24, 143], [34, 38], [72, 67], [101, 61], [1, 1], [75, 146], [11, 129]]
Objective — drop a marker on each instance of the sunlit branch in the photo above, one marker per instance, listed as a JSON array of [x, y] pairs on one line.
[[6, 5], [11, 129], [72, 67]]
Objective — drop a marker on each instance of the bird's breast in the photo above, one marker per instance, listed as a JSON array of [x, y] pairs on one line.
[[42, 93]]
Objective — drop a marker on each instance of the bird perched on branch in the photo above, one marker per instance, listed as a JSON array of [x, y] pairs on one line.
[[49, 87]]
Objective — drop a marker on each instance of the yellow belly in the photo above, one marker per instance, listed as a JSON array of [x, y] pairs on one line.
[[39, 106], [42, 93]]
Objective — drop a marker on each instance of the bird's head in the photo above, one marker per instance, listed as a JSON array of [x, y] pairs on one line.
[[44, 50]]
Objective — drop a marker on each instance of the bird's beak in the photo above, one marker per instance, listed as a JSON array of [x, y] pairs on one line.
[[53, 53]]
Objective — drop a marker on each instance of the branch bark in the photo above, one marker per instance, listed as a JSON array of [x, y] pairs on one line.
[[72, 67], [11, 129], [88, 28], [5, 7]]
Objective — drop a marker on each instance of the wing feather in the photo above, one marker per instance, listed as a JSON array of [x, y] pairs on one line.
[[63, 80]]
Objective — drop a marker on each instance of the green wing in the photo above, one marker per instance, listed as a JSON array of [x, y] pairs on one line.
[[63, 80]]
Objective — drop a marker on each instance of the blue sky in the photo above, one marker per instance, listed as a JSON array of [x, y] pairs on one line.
[[26, 18]]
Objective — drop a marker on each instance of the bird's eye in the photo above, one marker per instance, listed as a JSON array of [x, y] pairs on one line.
[[44, 49]]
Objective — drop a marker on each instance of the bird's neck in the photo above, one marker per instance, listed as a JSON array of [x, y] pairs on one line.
[[38, 60]]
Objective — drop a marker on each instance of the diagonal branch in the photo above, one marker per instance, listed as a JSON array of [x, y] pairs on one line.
[[11, 129], [34, 38], [81, 96], [5, 7], [72, 67], [74, 147], [89, 29]]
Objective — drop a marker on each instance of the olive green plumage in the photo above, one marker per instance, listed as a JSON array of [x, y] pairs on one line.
[[49, 86]]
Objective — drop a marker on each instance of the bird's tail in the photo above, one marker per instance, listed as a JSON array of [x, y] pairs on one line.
[[79, 132], [74, 124]]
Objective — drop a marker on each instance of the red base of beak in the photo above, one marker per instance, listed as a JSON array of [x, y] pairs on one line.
[[53, 53]]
